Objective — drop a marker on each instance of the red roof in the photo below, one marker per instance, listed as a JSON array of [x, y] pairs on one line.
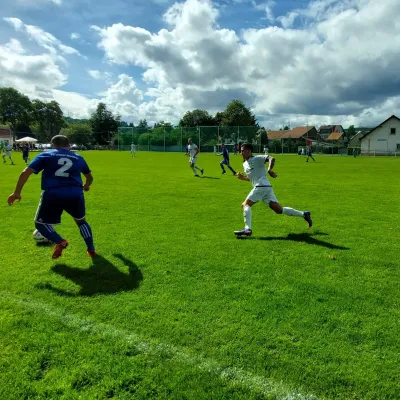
[[298, 132], [273, 135], [335, 136]]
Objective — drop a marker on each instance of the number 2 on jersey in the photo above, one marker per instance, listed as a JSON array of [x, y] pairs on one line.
[[66, 165]]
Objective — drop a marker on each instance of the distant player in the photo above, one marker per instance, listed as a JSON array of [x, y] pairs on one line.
[[192, 152], [25, 153], [254, 167], [7, 153], [309, 154], [62, 191], [215, 150], [133, 150], [225, 161]]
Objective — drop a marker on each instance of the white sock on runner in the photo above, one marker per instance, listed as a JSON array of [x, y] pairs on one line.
[[292, 212], [247, 217]]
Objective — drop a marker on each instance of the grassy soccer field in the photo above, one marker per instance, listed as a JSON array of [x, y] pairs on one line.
[[175, 307]]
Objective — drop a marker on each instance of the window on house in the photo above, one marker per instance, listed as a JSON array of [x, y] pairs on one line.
[[392, 131], [398, 147]]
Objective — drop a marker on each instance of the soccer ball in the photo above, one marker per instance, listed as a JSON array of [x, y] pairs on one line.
[[39, 238]]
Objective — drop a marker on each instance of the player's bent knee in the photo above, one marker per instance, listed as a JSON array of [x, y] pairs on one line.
[[276, 207], [80, 221]]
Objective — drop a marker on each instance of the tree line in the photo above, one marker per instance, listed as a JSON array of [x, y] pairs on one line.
[[43, 120]]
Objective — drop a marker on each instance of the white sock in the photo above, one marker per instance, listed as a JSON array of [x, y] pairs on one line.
[[292, 212], [247, 217]]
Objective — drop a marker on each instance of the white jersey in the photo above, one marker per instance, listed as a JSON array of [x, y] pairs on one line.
[[7, 148], [192, 150], [133, 147], [255, 170]]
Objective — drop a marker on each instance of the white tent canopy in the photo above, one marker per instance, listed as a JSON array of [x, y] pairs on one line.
[[27, 139]]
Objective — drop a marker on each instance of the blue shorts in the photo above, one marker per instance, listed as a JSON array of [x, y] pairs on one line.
[[226, 162], [25, 155], [53, 203]]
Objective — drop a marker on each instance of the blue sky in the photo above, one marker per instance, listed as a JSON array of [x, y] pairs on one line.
[[289, 60]]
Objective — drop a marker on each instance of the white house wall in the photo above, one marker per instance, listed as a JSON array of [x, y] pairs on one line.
[[380, 140]]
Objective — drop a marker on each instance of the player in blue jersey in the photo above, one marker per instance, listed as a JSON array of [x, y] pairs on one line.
[[225, 161], [25, 153], [62, 191], [309, 154]]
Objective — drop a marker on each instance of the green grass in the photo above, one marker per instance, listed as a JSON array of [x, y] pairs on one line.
[[176, 308]]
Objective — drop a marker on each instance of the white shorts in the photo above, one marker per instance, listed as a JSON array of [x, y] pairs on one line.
[[193, 160], [264, 194], [7, 153]]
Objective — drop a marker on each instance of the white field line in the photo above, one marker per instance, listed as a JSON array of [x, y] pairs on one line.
[[234, 376]]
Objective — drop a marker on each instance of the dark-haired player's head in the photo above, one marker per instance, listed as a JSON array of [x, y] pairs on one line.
[[60, 142], [247, 150]]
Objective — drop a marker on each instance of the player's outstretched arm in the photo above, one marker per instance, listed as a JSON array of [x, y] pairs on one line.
[[16, 195], [242, 177], [271, 173], [88, 182]]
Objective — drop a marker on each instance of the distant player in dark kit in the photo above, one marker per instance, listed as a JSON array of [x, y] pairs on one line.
[[225, 161], [62, 191], [25, 153], [309, 154]]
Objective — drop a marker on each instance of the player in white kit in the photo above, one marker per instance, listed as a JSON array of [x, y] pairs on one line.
[[254, 167], [192, 152], [133, 150], [7, 153]]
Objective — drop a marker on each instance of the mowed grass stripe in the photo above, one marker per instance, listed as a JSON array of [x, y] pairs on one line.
[[235, 376], [275, 305]]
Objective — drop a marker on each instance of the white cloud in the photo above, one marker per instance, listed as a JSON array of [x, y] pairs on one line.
[[341, 61], [34, 75], [75, 104], [75, 35], [42, 38], [267, 8], [332, 61], [38, 3], [96, 74]]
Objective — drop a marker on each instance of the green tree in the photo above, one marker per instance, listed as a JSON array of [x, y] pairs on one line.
[[15, 108], [219, 116], [143, 125], [49, 119], [351, 131], [103, 124], [54, 118], [237, 114], [197, 118], [286, 128], [79, 133]]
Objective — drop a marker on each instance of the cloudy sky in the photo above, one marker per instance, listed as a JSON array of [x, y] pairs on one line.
[[307, 62]]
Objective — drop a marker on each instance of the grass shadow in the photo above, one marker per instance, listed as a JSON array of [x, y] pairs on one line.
[[209, 177], [102, 277], [305, 238]]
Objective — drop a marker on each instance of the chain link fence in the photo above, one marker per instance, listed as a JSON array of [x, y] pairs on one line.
[[175, 139]]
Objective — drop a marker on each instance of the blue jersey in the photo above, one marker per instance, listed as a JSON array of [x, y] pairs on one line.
[[225, 153], [61, 169]]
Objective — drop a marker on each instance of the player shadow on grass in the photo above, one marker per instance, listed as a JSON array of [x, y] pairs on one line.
[[102, 277], [306, 238], [208, 177]]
